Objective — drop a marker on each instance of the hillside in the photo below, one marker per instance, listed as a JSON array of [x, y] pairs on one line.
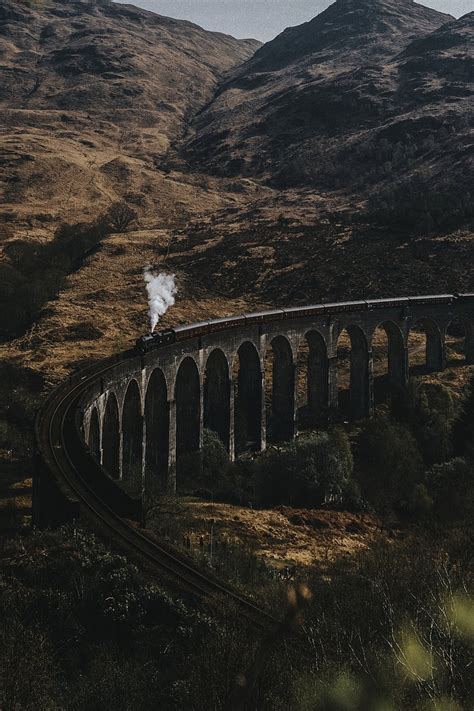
[[92, 96], [330, 147], [368, 98]]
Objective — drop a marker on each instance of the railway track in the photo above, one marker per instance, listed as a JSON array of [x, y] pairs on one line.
[[59, 442]]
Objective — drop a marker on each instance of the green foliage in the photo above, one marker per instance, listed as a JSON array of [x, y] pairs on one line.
[[429, 411], [209, 473], [388, 464], [413, 205], [215, 459], [452, 487], [79, 628], [312, 471], [463, 430]]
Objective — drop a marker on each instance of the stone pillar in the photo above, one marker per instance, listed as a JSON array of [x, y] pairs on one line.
[[263, 420], [295, 403], [201, 410], [469, 344], [435, 351], [143, 479], [362, 386], [171, 488], [370, 384], [398, 368], [120, 457], [232, 420], [333, 394], [404, 372], [101, 449]]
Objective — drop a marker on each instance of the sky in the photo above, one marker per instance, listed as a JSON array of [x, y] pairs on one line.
[[262, 19]]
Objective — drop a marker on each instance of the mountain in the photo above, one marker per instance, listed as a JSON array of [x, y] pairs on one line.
[[332, 163], [348, 33], [93, 94], [369, 94]]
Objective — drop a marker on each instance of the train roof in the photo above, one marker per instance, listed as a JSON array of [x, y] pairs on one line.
[[316, 308], [227, 319], [383, 302], [191, 326], [436, 298], [346, 305], [265, 314]]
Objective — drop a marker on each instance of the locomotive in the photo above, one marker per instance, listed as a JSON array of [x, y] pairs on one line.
[[195, 330]]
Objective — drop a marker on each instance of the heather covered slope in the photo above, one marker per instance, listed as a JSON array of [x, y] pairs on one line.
[[93, 95], [368, 97]]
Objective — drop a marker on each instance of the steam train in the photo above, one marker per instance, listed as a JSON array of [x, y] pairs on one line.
[[195, 330]]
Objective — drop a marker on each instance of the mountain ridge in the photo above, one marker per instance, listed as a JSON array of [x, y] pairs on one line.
[[93, 97], [353, 125]]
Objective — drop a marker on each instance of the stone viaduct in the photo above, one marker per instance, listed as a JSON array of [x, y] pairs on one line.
[[143, 415]]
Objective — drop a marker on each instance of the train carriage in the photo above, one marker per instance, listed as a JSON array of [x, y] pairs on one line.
[[222, 324], [193, 330], [346, 306], [431, 300], [396, 302], [305, 311], [264, 316]]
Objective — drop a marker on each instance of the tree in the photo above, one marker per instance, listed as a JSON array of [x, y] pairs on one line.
[[451, 485], [463, 430], [120, 216], [429, 411], [389, 464]]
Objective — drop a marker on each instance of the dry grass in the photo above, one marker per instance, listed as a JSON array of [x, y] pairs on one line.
[[108, 293], [284, 536]]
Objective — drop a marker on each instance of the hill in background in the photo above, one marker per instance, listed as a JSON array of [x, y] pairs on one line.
[[333, 162], [92, 96], [372, 98]]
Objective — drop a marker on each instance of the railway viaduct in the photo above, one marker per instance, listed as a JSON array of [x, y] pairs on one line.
[[149, 410]]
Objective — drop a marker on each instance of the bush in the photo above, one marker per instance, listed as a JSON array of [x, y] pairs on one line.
[[429, 411], [463, 429], [208, 473], [120, 216], [388, 464], [312, 471], [452, 487]]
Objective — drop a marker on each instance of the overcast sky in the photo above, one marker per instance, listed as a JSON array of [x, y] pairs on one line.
[[262, 19]]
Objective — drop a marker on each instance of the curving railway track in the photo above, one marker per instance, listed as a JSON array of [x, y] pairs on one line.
[[66, 458]]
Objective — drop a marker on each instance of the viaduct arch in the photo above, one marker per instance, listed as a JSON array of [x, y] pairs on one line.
[[239, 378]]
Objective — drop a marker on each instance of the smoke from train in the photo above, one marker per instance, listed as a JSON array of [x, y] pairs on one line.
[[161, 289]]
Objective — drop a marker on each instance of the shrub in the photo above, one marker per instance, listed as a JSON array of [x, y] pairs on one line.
[[452, 487], [120, 216], [389, 464], [429, 411], [463, 430], [312, 471], [208, 473], [215, 459]]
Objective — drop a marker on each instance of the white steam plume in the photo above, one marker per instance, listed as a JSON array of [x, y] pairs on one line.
[[161, 289]]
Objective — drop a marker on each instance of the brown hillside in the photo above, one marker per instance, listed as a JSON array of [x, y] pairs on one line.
[[92, 97], [370, 98], [378, 92]]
